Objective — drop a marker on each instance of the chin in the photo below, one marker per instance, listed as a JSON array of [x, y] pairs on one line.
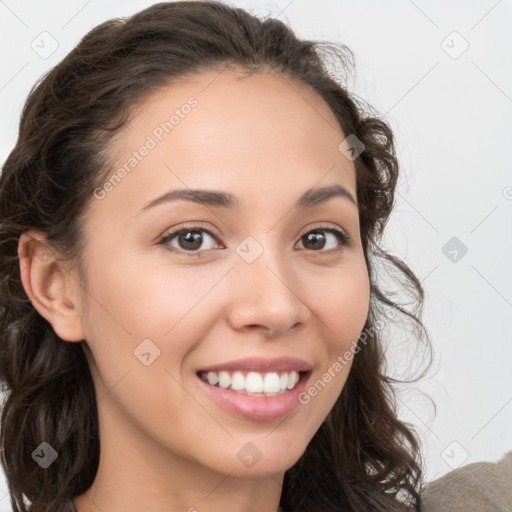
[[260, 458]]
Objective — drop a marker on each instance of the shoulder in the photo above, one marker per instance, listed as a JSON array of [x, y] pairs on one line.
[[474, 487]]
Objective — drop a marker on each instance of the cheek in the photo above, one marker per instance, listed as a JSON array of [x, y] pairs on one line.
[[129, 305], [342, 304], [149, 301], [171, 306]]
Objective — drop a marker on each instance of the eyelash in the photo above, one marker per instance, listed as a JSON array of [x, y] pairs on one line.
[[342, 237]]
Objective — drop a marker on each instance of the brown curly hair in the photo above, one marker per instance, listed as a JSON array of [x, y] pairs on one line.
[[362, 457]]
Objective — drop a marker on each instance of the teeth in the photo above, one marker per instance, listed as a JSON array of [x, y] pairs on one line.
[[237, 381], [293, 378], [254, 383], [213, 378], [283, 381], [271, 383], [224, 380]]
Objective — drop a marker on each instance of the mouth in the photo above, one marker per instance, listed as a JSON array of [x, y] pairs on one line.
[[251, 383], [256, 388]]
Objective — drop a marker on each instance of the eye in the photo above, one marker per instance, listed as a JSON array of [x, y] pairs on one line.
[[189, 240], [317, 239]]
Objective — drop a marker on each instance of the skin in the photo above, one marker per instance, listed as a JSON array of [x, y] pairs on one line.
[[165, 445]]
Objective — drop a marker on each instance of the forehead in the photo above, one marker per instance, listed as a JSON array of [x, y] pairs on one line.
[[251, 131]]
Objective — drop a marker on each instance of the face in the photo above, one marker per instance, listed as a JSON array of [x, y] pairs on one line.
[[182, 292]]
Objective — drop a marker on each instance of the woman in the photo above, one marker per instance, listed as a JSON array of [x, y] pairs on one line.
[[191, 319]]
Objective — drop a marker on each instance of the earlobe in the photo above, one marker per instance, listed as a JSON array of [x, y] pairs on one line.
[[49, 286]]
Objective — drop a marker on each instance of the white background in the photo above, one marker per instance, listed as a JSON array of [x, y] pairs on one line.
[[451, 116]]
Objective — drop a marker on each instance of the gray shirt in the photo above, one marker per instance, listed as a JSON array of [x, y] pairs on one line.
[[476, 487]]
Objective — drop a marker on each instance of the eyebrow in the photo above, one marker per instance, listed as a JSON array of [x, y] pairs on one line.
[[310, 198]]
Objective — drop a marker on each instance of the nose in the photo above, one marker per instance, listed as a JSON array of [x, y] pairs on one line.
[[265, 295]]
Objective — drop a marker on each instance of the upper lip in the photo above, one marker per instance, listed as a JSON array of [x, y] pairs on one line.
[[261, 364]]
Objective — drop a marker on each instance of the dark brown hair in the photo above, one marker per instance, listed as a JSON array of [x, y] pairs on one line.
[[362, 457]]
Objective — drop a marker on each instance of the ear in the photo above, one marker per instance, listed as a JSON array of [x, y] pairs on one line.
[[51, 288]]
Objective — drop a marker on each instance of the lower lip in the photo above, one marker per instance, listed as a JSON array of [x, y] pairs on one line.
[[259, 408]]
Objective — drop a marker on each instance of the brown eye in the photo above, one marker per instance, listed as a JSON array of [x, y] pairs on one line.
[[317, 240], [188, 240]]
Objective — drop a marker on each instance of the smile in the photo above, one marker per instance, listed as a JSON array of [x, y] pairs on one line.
[[253, 383], [254, 405]]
